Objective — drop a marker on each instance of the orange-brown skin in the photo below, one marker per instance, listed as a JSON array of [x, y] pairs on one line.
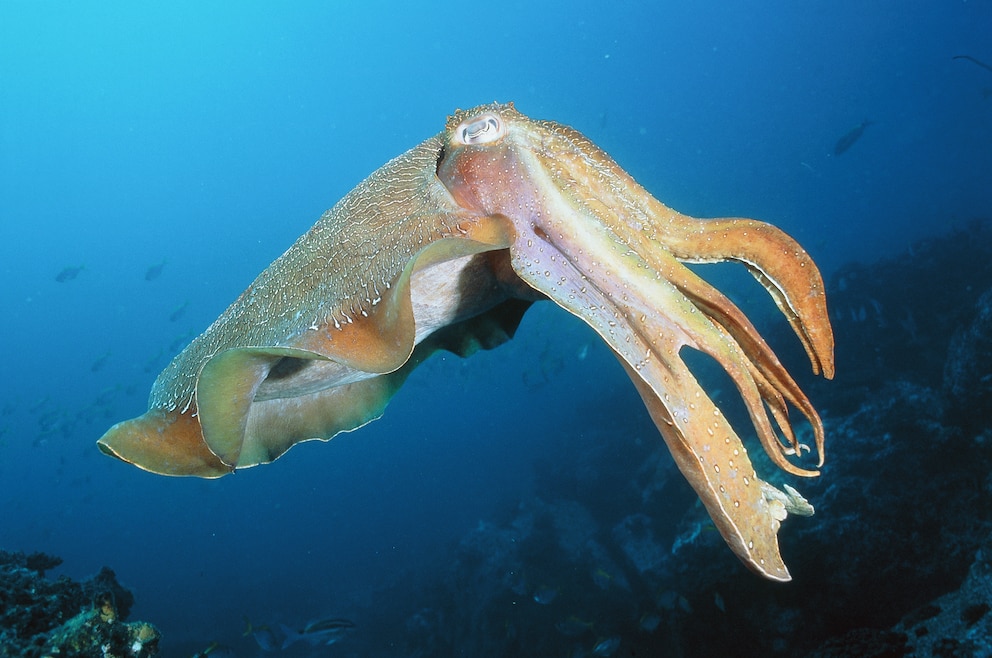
[[432, 250]]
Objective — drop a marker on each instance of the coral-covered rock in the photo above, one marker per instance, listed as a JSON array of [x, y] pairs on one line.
[[40, 617], [98, 633], [958, 623], [968, 369]]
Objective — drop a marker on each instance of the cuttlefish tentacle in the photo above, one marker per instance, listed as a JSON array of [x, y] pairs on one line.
[[704, 445], [611, 293], [575, 163], [778, 263], [777, 386], [716, 329], [769, 254], [595, 242], [576, 166], [720, 472]]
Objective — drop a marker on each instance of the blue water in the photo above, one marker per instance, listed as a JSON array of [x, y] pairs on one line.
[[210, 135]]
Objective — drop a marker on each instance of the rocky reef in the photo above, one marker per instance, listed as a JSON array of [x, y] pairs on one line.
[[41, 617]]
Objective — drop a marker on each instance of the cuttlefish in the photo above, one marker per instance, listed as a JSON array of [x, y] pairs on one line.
[[445, 247]]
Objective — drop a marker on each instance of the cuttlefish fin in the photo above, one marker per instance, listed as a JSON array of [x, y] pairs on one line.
[[376, 341], [163, 441], [321, 415], [274, 426], [231, 423], [379, 341], [226, 391], [317, 416]]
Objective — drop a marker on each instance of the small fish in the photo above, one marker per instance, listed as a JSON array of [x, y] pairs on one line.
[[649, 621], [573, 626], [106, 396], [545, 594], [323, 632], [606, 647], [853, 135], [518, 583], [154, 362], [215, 650], [718, 602], [68, 273], [40, 404], [51, 421], [179, 341], [178, 312], [263, 635], [154, 271], [100, 362], [602, 578]]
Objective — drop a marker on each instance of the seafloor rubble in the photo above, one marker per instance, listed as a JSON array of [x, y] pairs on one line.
[[897, 560], [42, 617]]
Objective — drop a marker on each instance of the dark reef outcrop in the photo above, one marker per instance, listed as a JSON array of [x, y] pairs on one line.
[[41, 617], [968, 369]]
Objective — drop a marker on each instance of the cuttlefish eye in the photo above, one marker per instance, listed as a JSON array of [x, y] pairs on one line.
[[483, 129]]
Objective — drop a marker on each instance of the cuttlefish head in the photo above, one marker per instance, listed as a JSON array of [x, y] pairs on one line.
[[587, 236]]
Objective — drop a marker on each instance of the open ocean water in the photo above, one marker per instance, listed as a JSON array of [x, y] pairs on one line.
[[157, 156]]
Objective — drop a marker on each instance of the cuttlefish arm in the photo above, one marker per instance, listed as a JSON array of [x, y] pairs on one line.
[[326, 334], [591, 239]]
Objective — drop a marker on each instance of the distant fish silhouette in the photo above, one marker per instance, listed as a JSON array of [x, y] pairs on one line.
[[179, 312], [154, 271], [154, 362], [179, 341], [264, 636], [974, 61], [68, 273], [100, 362], [852, 135], [217, 650], [325, 631]]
